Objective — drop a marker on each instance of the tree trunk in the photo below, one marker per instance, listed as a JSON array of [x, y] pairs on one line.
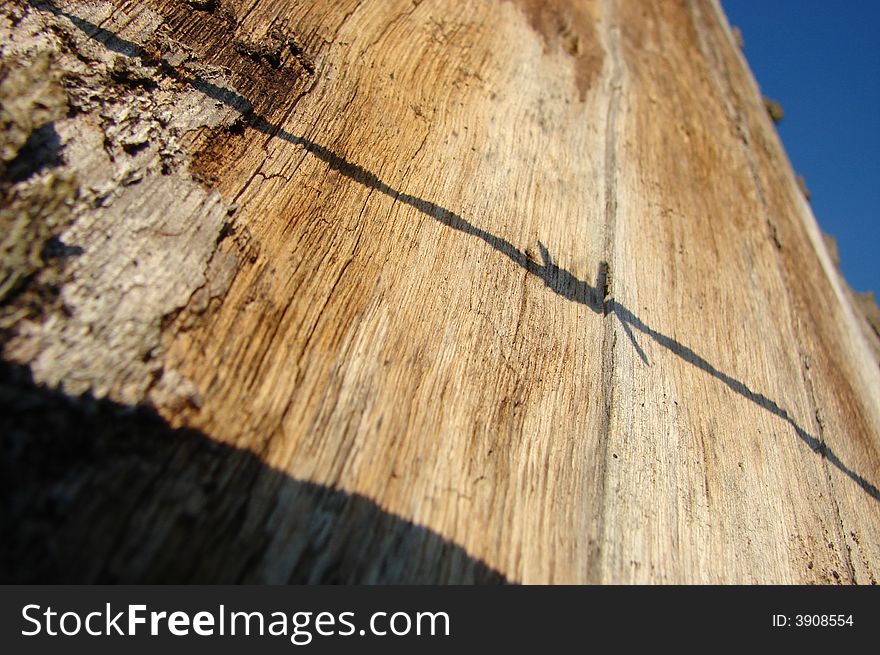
[[396, 291]]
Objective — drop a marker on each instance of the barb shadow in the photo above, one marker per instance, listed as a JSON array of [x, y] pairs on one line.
[[556, 278]]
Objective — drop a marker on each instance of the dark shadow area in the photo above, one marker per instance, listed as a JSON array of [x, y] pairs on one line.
[[96, 492], [56, 249], [40, 152], [556, 278]]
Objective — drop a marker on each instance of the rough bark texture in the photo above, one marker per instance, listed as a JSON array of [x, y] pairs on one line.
[[404, 291]]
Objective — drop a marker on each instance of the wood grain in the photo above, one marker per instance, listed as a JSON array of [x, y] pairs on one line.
[[535, 277]]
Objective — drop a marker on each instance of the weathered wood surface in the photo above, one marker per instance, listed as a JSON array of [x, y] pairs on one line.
[[459, 290]]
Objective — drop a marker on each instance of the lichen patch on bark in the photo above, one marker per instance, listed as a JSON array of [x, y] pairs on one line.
[[136, 232]]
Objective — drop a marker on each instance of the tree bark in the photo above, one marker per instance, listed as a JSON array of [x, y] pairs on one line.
[[401, 291]]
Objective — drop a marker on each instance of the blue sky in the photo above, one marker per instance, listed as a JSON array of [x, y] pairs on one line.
[[821, 61]]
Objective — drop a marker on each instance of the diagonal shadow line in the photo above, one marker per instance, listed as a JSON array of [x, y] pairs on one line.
[[816, 445], [558, 279]]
